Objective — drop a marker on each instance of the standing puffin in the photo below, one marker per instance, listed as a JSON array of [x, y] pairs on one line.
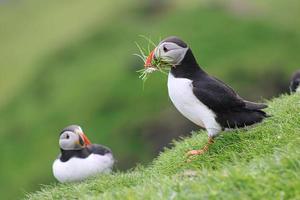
[[79, 159], [203, 99], [295, 82]]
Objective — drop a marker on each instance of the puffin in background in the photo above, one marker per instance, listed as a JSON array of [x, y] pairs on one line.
[[203, 99], [79, 159], [295, 82]]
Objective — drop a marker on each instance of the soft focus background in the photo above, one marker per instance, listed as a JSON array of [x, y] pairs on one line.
[[70, 62]]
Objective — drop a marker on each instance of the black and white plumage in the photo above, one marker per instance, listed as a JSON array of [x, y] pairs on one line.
[[295, 82], [79, 159], [203, 99]]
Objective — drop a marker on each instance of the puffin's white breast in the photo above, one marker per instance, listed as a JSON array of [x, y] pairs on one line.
[[77, 169], [181, 94]]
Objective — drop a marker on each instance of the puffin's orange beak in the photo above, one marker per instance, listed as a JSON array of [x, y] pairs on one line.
[[85, 139], [149, 59]]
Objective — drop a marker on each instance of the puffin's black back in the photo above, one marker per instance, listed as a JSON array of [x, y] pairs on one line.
[[68, 154], [295, 81], [98, 149], [85, 152]]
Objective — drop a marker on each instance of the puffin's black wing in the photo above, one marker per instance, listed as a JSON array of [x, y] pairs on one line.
[[230, 108], [217, 95], [99, 149]]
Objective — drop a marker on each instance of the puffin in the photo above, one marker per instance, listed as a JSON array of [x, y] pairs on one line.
[[79, 158], [295, 82], [201, 98]]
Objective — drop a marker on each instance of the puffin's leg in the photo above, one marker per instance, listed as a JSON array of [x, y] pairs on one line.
[[203, 150], [213, 130]]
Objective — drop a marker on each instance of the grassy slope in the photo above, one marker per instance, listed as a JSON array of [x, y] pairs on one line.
[[254, 163]]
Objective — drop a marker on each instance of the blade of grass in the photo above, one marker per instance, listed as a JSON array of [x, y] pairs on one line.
[[148, 39]]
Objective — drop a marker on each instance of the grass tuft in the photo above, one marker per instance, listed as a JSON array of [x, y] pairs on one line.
[[157, 64]]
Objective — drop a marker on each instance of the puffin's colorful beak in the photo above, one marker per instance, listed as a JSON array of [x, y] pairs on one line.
[[85, 139], [149, 59]]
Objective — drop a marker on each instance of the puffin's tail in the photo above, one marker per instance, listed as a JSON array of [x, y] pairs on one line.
[[257, 107], [252, 113], [254, 106]]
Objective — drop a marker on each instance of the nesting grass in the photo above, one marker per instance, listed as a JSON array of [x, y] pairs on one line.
[[157, 64], [261, 162]]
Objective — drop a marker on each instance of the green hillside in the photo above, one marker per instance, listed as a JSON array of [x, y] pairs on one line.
[[260, 162], [65, 63]]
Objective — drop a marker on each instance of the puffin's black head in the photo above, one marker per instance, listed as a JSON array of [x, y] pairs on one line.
[[73, 138], [171, 50], [295, 82], [175, 40]]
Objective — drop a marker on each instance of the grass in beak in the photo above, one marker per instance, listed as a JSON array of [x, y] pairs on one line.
[[156, 65]]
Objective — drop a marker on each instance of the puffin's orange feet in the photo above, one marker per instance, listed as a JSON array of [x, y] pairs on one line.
[[195, 152], [200, 151]]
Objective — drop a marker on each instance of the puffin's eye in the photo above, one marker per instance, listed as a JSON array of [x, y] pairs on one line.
[[67, 136], [165, 49]]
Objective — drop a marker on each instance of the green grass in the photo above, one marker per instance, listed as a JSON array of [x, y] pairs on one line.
[[260, 162]]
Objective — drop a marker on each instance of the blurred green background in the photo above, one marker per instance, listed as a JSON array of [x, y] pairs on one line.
[[70, 62]]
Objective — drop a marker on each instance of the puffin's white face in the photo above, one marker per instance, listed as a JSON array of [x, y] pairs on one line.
[[73, 138], [170, 52], [70, 141]]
